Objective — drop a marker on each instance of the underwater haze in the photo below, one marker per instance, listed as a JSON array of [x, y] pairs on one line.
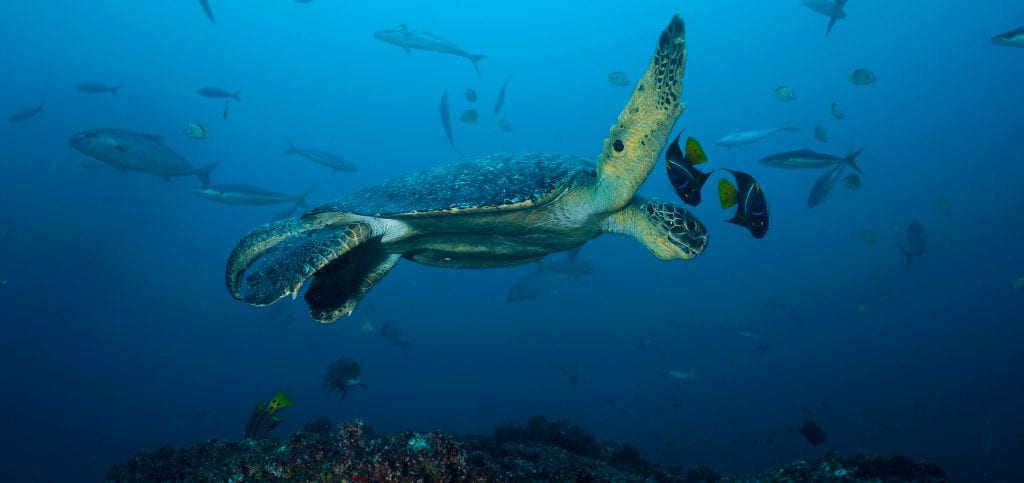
[[119, 335]]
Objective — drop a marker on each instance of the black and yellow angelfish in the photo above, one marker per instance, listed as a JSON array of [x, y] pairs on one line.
[[686, 179], [751, 205]]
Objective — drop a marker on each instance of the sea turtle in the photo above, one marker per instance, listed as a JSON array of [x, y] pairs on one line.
[[495, 211]]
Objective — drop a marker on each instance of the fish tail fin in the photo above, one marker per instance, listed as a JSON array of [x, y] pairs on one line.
[[291, 149], [203, 173], [702, 179], [236, 94], [851, 158], [908, 258], [300, 201], [475, 59], [727, 193]]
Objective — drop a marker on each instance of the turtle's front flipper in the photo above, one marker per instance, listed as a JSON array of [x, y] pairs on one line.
[[636, 140], [338, 287], [281, 268]]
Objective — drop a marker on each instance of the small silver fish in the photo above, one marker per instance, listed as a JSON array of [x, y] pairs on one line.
[[862, 77], [784, 93], [820, 134], [195, 130], [470, 116], [504, 125], [837, 112], [619, 79]]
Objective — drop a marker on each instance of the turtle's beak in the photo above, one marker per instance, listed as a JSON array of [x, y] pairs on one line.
[[690, 243]]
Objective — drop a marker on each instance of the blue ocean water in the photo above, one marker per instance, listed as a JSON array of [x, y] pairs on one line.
[[119, 336]]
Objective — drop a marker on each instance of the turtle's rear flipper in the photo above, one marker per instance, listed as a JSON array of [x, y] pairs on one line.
[[641, 132], [281, 269], [338, 287]]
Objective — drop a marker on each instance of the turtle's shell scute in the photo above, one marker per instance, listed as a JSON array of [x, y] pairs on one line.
[[499, 181]]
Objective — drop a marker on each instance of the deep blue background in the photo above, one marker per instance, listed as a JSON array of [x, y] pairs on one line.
[[118, 335]]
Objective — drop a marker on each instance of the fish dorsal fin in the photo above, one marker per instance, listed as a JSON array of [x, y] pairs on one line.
[[694, 152], [727, 193], [674, 153]]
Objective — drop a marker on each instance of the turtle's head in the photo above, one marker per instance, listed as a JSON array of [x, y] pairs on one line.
[[676, 232], [668, 230]]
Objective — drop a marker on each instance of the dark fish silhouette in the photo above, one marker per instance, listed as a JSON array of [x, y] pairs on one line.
[[323, 158], [446, 121], [808, 159], [823, 186], [500, 101], [812, 433], [24, 114], [97, 88], [917, 243], [470, 95], [218, 93], [206, 9]]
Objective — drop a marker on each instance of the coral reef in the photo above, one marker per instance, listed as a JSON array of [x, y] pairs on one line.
[[540, 450]]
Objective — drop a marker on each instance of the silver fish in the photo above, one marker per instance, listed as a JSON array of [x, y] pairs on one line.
[[619, 79], [97, 88], [784, 93], [1013, 38], [133, 151], [863, 77], [244, 194], [409, 39], [820, 134], [323, 158], [750, 137]]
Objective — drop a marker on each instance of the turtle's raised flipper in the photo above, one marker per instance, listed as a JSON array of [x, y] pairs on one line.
[[636, 140], [338, 287], [282, 269], [668, 230]]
